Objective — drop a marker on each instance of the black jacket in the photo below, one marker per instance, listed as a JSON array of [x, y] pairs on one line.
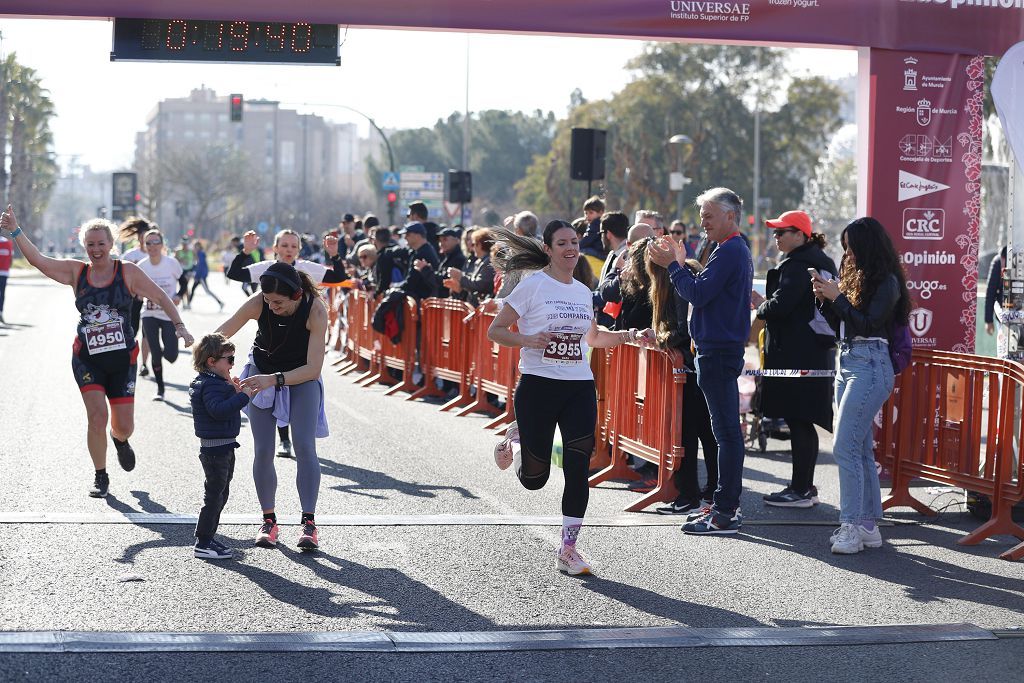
[[450, 259], [216, 406], [389, 318], [420, 284], [873, 321], [994, 289], [479, 285], [791, 343]]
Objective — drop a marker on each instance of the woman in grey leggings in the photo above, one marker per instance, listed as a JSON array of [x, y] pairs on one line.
[[283, 377]]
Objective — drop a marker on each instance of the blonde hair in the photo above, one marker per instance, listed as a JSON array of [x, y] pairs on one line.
[[97, 224], [210, 346]]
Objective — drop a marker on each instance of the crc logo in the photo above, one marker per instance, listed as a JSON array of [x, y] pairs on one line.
[[925, 287], [920, 321], [924, 224]]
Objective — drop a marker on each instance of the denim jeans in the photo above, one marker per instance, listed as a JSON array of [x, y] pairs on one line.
[[717, 372], [863, 383]]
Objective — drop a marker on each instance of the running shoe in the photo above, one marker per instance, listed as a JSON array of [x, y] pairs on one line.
[[571, 562], [503, 454], [714, 524], [846, 540], [125, 454], [209, 551], [645, 485], [697, 514], [100, 485], [679, 507], [309, 540], [144, 371], [285, 449], [267, 537], [708, 494], [158, 397], [869, 539], [788, 498]]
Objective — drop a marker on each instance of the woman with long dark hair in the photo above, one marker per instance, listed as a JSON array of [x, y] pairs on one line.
[[555, 318], [283, 377], [869, 298], [669, 312]]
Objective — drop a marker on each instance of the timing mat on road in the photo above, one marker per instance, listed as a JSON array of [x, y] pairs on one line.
[[155, 518], [485, 641]]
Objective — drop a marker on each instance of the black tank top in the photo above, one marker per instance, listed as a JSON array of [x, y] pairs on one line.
[[282, 342], [104, 323]]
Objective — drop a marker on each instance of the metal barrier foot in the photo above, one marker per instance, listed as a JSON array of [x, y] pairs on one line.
[[1013, 554], [996, 526]]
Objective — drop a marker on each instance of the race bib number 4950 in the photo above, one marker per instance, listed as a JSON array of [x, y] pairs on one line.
[[565, 348], [105, 337]]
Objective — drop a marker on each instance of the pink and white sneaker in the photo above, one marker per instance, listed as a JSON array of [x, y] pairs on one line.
[[267, 537], [571, 562], [503, 454]]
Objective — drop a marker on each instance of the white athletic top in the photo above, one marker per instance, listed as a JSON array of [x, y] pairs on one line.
[[545, 304], [315, 271], [134, 255], [165, 274]]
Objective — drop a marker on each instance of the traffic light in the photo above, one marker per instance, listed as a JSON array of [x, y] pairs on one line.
[[236, 107], [460, 187], [392, 198]]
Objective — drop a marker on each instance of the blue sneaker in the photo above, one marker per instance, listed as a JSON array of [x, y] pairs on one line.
[[714, 524]]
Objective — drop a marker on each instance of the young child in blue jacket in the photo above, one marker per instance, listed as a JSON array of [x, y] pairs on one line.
[[217, 402]]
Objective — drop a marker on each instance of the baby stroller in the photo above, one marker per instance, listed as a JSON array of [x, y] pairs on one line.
[[756, 427]]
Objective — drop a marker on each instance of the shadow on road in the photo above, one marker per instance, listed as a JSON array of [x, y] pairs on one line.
[[655, 604], [394, 596], [924, 579], [166, 532], [369, 480]]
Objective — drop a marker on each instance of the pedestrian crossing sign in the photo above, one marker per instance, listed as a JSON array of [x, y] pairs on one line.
[[389, 180]]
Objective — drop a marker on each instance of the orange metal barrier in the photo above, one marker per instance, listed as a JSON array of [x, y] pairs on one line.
[[600, 362], [956, 419], [358, 334], [495, 370], [448, 329], [400, 356], [645, 391]]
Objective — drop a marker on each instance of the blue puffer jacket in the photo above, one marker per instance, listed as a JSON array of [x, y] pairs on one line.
[[216, 406]]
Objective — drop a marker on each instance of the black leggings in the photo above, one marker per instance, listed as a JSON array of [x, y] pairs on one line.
[[3, 289], [157, 331], [571, 405], [696, 427], [804, 443]]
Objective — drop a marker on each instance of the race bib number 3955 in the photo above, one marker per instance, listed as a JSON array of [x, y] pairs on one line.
[[565, 348]]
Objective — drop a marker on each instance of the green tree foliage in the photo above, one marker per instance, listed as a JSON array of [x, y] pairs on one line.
[[25, 114], [502, 146], [709, 93]]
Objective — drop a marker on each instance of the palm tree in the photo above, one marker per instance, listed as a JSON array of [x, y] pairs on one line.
[[33, 170]]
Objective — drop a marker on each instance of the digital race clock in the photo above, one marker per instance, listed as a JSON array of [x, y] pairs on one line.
[[193, 40]]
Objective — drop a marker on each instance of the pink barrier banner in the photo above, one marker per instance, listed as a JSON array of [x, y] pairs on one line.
[[925, 169], [987, 27]]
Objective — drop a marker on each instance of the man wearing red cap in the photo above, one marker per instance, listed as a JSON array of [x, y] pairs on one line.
[[797, 337]]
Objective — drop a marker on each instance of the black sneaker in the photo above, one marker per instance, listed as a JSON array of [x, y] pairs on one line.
[[714, 524], [209, 551], [708, 494], [144, 371], [100, 485], [679, 507], [125, 454], [789, 499], [285, 450]]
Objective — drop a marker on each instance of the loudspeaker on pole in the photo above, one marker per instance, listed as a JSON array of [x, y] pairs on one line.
[[587, 157]]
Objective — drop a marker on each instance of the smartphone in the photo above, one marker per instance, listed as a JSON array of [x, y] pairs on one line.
[[813, 272]]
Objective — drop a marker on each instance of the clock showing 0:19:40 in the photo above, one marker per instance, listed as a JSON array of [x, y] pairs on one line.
[[203, 40]]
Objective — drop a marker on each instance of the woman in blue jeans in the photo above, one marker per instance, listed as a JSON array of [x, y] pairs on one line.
[[870, 296]]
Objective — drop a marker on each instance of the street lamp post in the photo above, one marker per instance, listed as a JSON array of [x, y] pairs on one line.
[[678, 181]]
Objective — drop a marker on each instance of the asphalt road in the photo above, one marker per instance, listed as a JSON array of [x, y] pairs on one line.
[[387, 456]]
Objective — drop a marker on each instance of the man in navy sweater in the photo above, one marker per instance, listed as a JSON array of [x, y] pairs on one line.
[[720, 296]]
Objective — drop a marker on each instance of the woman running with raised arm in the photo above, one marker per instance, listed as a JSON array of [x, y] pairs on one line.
[[283, 377], [555, 318], [287, 245], [104, 352]]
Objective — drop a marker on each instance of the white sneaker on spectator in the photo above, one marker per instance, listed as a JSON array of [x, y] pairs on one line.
[[846, 540], [870, 539]]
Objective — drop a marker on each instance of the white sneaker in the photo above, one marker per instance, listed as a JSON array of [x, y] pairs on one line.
[[846, 540], [571, 562], [870, 539]]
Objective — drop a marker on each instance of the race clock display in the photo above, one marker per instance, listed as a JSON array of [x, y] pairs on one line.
[[201, 40]]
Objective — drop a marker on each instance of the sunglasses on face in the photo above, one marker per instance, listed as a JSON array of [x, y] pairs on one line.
[[230, 359], [676, 232], [783, 231], [153, 244]]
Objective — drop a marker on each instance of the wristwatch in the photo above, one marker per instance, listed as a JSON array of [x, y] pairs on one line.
[[280, 379]]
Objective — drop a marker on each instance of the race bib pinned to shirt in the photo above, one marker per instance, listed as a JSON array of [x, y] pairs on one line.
[[565, 348]]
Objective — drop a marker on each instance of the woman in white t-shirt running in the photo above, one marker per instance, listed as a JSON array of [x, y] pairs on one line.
[[157, 327], [555, 318], [287, 246], [132, 229]]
